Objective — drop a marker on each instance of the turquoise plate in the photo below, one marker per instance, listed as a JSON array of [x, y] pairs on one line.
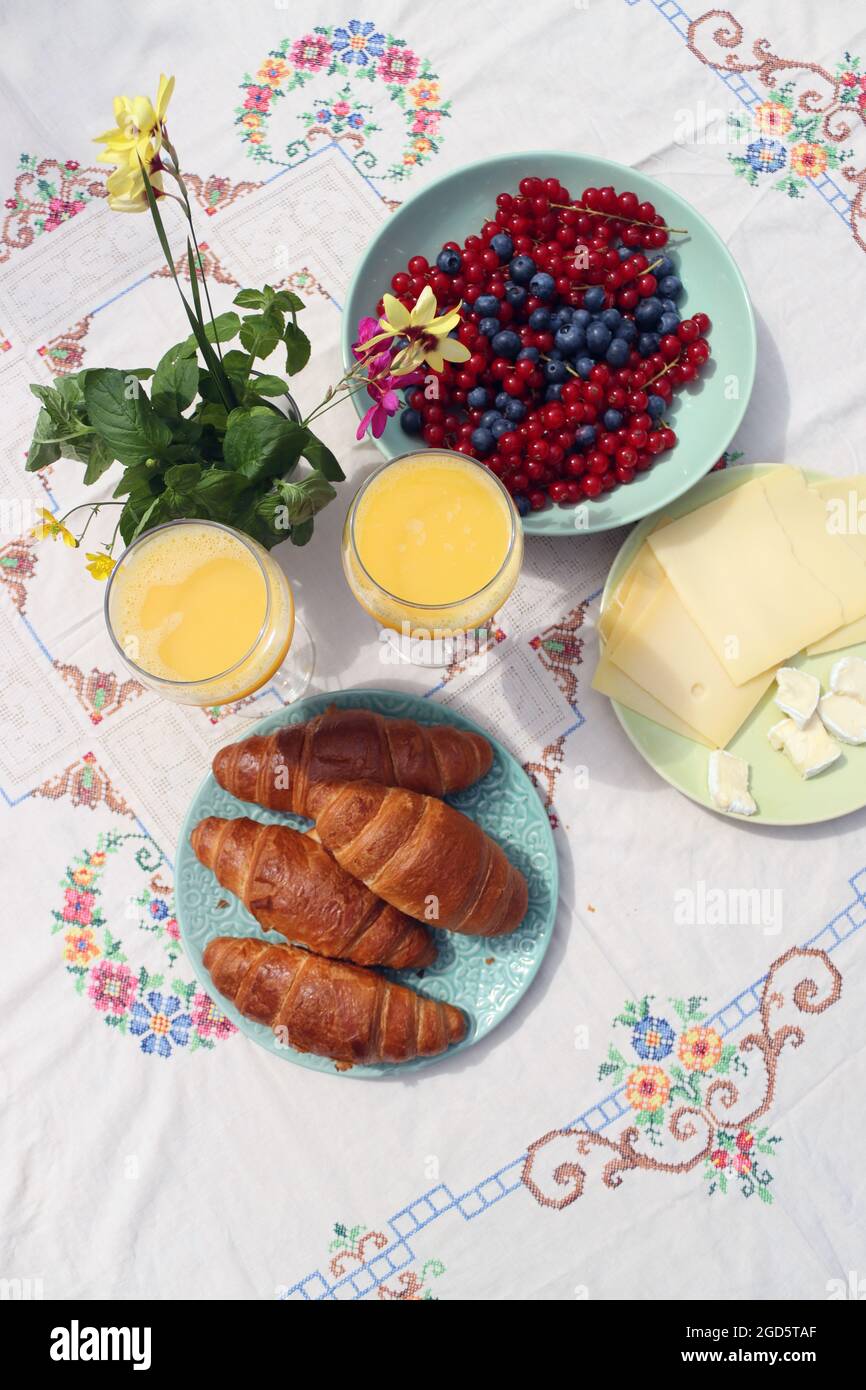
[[705, 416], [485, 976], [782, 795]]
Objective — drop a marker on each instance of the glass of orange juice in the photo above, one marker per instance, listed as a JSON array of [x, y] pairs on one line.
[[432, 548], [204, 615]]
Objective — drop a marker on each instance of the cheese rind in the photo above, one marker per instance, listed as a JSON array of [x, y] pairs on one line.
[[728, 783], [798, 694], [810, 749], [844, 717], [848, 677], [751, 570]]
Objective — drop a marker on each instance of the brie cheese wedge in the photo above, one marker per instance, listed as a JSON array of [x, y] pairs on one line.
[[848, 677], [810, 749], [798, 694], [728, 783], [844, 716]]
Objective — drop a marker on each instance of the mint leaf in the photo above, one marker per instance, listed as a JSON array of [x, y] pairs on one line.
[[320, 457], [297, 348], [258, 335], [120, 411], [265, 385], [260, 444], [175, 382], [249, 299]]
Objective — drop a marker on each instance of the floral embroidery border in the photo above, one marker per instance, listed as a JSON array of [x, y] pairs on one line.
[[362, 56]]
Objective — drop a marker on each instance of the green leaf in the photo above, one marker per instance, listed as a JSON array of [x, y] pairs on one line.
[[122, 414], [319, 456], [264, 385], [175, 382], [285, 299], [181, 480], [213, 414], [258, 335], [301, 532], [39, 455], [101, 458], [261, 444], [297, 348], [249, 299], [303, 499], [223, 328], [218, 491]]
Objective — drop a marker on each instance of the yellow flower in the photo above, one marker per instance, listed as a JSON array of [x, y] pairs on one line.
[[50, 526], [773, 117], [700, 1049], [427, 334], [422, 144], [808, 159], [647, 1088], [82, 878], [138, 135], [97, 858], [273, 72], [100, 565], [81, 946]]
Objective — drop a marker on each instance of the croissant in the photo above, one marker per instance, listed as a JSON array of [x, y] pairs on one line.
[[281, 770], [292, 885], [422, 856], [328, 1007]]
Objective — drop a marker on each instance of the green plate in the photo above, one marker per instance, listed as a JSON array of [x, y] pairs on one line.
[[706, 416], [782, 795], [485, 976]]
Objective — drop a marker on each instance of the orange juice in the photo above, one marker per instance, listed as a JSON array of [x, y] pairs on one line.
[[432, 541], [203, 612]]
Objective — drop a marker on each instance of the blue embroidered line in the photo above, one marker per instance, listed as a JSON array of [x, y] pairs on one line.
[[427, 1208]]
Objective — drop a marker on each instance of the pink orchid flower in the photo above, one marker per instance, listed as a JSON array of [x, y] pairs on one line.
[[386, 402]]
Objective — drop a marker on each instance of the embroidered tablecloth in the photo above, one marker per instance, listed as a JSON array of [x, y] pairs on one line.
[[151, 1151]]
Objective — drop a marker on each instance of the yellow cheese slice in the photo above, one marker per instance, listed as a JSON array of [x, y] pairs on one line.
[[756, 588], [845, 503], [643, 563], [666, 654], [611, 681]]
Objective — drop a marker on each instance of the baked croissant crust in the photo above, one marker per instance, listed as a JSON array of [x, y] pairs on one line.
[[328, 1007], [281, 770], [294, 886], [422, 856]]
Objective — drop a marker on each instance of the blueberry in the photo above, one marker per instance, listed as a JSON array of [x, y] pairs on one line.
[[542, 285], [648, 343], [612, 420], [514, 411], [581, 317], [521, 502], [411, 422], [648, 312], [594, 299], [489, 418], [516, 296], [487, 306], [555, 373], [669, 306], [627, 331], [655, 406], [612, 318], [500, 427], [539, 320], [598, 338], [506, 343], [489, 327], [501, 400], [556, 354], [502, 245], [664, 267], [624, 252], [671, 287], [477, 398], [529, 354], [521, 270], [558, 320], [585, 437], [617, 353], [482, 440], [449, 262], [570, 339], [554, 392], [668, 323], [584, 366]]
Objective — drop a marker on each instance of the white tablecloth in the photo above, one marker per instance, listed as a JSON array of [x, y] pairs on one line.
[[219, 1170]]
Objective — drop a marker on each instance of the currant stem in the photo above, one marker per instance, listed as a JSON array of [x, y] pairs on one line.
[[627, 221]]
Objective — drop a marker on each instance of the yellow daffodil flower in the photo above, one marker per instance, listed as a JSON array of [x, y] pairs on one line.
[[138, 135], [100, 565], [48, 525], [428, 335]]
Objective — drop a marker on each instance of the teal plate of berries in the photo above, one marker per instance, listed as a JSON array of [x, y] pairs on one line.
[[484, 976], [610, 338]]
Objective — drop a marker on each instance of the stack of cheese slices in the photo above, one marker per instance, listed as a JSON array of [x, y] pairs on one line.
[[715, 602]]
